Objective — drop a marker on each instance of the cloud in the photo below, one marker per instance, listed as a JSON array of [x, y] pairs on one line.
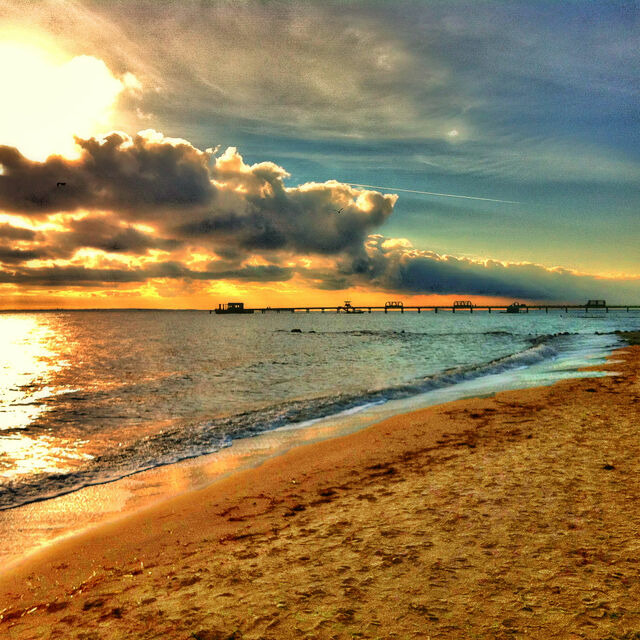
[[117, 173], [256, 211], [108, 236], [536, 97], [77, 275], [527, 160], [393, 265], [149, 178], [319, 68], [10, 255], [151, 207], [16, 233]]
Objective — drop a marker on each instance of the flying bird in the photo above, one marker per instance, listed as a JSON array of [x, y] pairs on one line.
[[339, 210], [61, 184]]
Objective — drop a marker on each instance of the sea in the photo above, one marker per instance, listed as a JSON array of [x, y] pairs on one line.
[[90, 397]]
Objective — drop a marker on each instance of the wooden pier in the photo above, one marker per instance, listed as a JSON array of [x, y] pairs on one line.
[[454, 308]]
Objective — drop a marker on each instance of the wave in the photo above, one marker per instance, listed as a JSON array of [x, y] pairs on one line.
[[386, 333], [192, 440]]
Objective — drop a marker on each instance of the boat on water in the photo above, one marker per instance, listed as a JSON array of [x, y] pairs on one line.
[[232, 307]]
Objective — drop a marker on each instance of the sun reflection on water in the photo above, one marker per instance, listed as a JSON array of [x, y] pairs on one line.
[[44, 454], [27, 361], [30, 357]]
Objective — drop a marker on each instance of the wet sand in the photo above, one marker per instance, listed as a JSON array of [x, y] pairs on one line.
[[507, 517]]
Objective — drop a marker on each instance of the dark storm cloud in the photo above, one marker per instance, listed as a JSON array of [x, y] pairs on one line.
[[255, 211], [79, 276], [91, 232], [9, 255], [402, 269], [16, 233], [386, 264], [116, 173], [257, 273], [104, 234], [69, 276], [395, 266], [304, 222]]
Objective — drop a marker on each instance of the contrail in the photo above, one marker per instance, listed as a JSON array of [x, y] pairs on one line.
[[433, 193]]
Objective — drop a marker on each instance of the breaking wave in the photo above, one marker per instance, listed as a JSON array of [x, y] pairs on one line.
[[190, 440]]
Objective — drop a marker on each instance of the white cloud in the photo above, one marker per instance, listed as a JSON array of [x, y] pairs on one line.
[[527, 160]]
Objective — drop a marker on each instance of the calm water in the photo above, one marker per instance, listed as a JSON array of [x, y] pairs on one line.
[[93, 396]]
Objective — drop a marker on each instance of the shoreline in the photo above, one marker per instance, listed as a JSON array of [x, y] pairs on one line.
[[47, 522], [318, 540]]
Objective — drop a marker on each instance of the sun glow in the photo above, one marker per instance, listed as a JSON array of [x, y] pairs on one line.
[[47, 100]]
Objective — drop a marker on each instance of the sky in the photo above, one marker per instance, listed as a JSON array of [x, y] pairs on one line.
[[183, 154]]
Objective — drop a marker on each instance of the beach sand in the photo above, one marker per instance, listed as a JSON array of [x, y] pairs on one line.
[[507, 517]]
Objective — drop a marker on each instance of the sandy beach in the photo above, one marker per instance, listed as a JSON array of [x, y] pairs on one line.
[[507, 517]]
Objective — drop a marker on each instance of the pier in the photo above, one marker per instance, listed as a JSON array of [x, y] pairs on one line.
[[465, 306]]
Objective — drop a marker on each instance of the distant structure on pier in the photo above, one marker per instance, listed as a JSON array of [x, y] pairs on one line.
[[347, 308], [596, 303], [463, 304], [515, 307], [233, 307]]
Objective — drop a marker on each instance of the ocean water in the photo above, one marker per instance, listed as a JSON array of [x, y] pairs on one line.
[[90, 397]]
